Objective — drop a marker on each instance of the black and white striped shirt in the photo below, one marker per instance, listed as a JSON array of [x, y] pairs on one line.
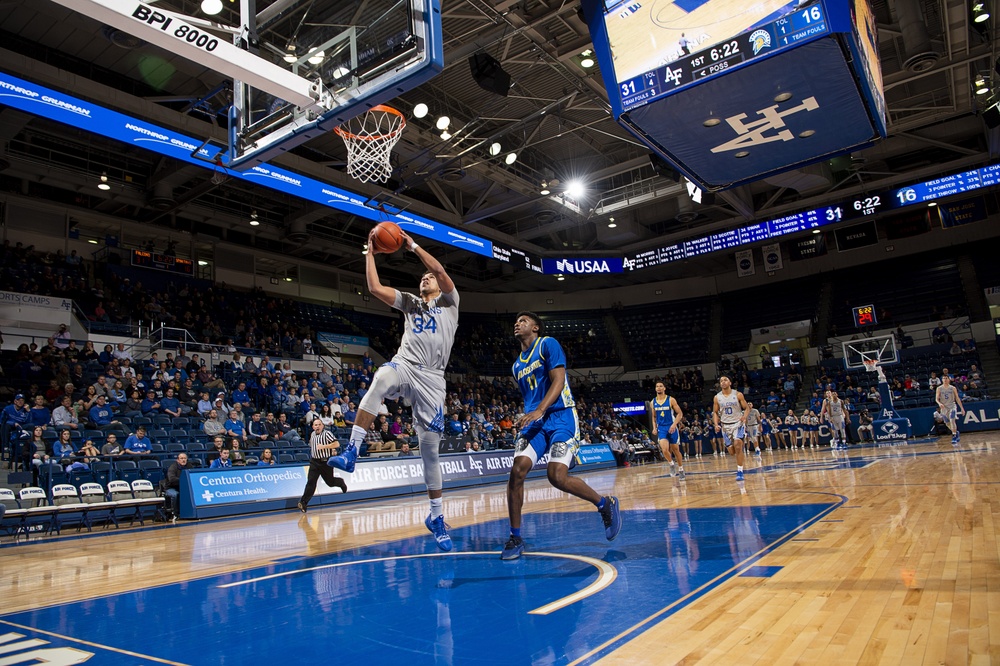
[[322, 444]]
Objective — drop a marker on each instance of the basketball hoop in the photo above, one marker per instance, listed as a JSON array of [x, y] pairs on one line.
[[370, 138], [871, 365]]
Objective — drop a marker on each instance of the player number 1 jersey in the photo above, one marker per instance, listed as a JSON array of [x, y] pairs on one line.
[[531, 371]]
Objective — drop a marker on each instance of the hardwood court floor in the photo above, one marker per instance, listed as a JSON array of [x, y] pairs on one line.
[[880, 556]]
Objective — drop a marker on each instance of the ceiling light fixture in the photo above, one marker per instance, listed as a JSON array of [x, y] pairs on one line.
[[980, 13], [211, 7], [288, 279], [560, 278], [92, 241], [443, 122], [445, 135], [420, 110], [316, 58], [290, 56], [340, 72], [586, 63], [575, 189], [510, 159], [611, 223], [545, 188], [495, 148], [254, 222], [202, 262], [981, 87], [103, 185]]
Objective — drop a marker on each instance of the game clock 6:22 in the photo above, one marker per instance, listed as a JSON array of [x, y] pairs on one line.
[[865, 316]]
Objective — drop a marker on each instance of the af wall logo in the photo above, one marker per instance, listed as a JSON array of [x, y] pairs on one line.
[[768, 128], [745, 264]]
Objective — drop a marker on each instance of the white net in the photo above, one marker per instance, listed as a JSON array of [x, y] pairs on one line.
[[370, 138]]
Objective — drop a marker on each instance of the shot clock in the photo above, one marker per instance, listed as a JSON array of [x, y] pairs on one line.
[[864, 315]]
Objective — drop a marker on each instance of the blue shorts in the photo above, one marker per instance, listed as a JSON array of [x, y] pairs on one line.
[[550, 431], [671, 437]]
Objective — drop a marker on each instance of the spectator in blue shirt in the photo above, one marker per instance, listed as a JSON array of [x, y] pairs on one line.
[[12, 419], [101, 415], [455, 426], [150, 406], [222, 462], [39, 415], [241, 397], [63, 447], [170, 405], [138, 444], [350, 414], [234, 428]]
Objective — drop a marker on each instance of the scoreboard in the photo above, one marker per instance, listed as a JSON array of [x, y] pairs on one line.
[[761, 29]]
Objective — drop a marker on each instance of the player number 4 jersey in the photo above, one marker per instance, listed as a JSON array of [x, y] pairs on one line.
[[531, 371], [663, 413]]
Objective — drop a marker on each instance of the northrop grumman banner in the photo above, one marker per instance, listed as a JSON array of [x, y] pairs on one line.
[[255, 484]]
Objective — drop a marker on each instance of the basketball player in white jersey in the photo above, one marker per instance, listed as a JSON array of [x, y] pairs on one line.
[[949, 402], [833, 411], [729, 413], [415, 373], [753, 427]]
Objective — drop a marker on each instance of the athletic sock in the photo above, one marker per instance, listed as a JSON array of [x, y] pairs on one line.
[[600, 505], [739, 468], [358, 436], [515, 531], [437, 507]]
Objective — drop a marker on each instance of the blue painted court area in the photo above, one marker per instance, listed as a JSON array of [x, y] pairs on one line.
[[406, 603], [690, 5]]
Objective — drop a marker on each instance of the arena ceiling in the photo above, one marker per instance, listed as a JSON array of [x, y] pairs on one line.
[[556, 117]]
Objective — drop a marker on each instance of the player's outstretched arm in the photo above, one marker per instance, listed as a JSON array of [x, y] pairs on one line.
[[430, 263], [385, 294]]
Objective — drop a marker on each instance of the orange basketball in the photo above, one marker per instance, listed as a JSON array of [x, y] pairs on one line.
[[388, 237]]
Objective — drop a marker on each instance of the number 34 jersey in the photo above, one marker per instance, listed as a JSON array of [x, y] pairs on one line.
[[429, 329], [531, 371]]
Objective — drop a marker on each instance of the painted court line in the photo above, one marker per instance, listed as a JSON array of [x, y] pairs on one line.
[[90, 644], [606, 574]]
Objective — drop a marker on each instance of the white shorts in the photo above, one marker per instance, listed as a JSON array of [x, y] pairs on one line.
[[423, 388], [753, 431], [733, 431]]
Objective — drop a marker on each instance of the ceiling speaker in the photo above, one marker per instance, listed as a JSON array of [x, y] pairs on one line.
[[488, 73]]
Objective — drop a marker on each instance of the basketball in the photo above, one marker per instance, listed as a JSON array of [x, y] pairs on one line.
[[388, 237]]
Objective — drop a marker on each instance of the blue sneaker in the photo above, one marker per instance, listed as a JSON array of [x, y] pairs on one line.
[[439, 529], [739, 475], [345, 460], [612, 516], [513, 548]]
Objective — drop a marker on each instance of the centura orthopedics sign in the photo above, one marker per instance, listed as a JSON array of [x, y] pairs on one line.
[[254, 484]]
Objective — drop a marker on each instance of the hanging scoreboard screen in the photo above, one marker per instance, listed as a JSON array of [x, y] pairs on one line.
[[864, 316], [660, 47]]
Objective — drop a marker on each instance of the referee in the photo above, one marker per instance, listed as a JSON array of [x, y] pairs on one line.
[[322, 445]]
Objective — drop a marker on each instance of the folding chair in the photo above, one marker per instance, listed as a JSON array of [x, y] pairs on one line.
[[99, 508], [68, 507], [13, 519], [145, 496], [121, 499], [38, 512]]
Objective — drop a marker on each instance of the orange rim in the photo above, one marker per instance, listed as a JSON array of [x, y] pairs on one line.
[[374, 137]]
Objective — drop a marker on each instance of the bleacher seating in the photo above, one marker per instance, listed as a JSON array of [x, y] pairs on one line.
[[765, 306], [905, 291], [667, 334]]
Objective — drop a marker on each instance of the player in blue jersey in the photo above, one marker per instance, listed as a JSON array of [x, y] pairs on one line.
[[667, 417], [549, 425]]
